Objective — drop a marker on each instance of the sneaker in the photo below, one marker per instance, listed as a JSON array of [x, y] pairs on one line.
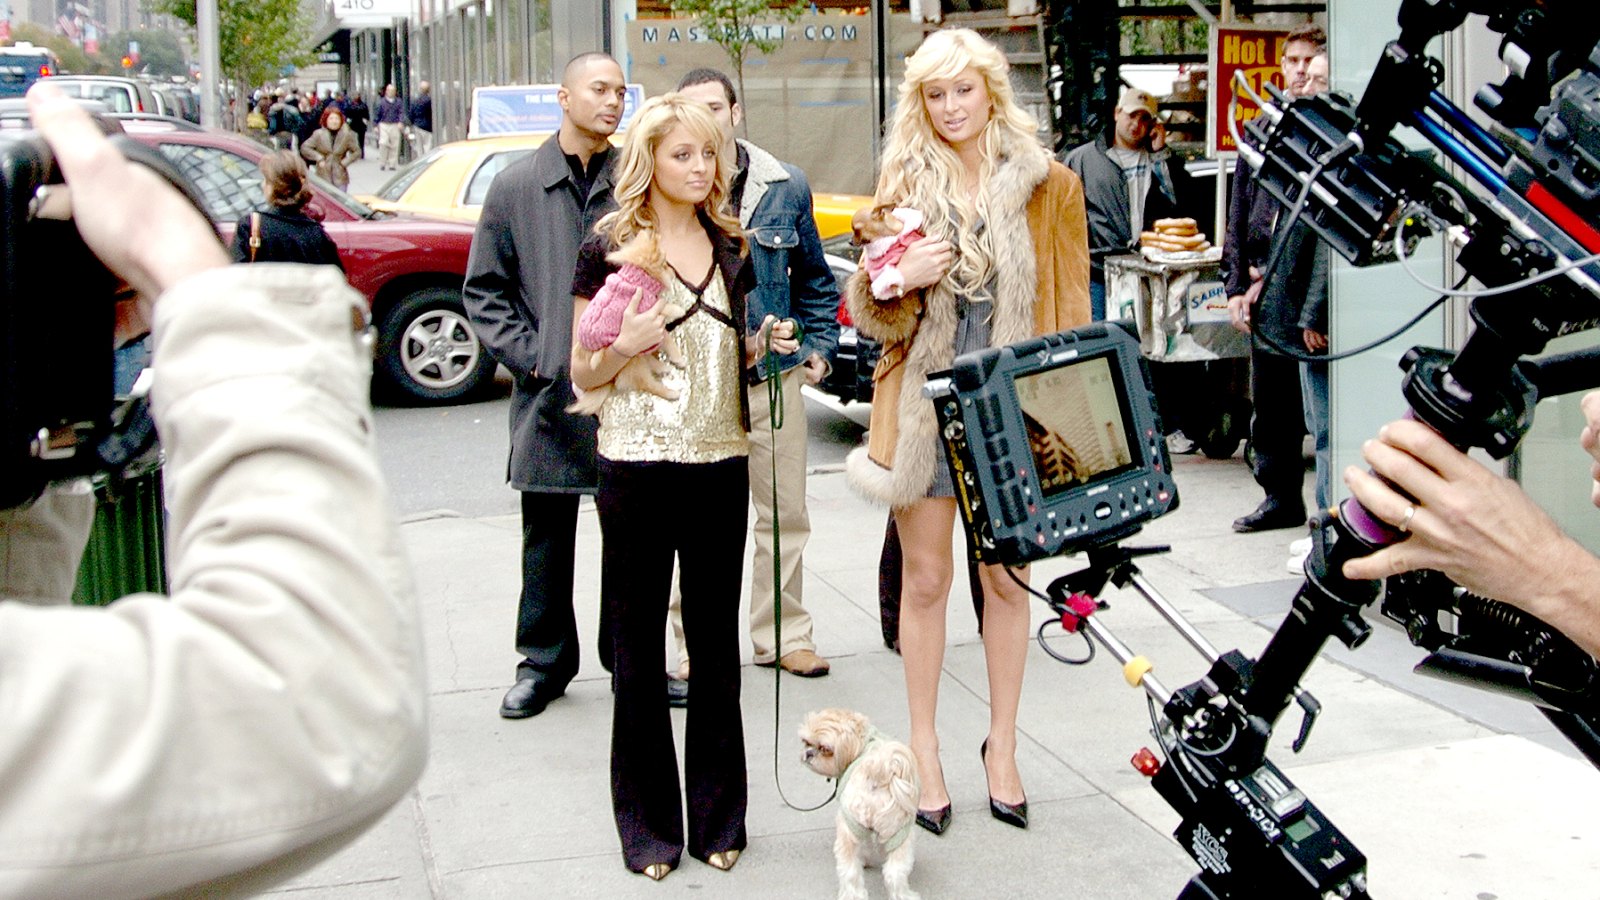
[[1179, 444], [1300, 547], [1296, 564]]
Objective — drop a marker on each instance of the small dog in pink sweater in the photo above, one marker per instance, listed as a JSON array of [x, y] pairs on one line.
[[884, 232], [645, 270]]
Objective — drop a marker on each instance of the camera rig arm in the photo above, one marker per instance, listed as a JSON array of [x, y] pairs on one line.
[[1520, 223]]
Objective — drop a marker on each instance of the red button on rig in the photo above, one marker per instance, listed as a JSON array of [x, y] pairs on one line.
[[1146, 762]]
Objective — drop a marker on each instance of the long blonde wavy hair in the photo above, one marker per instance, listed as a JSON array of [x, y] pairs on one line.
[[922, 171], [636, 170]]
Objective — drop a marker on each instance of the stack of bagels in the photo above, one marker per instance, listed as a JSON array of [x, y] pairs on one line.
[[1175, 236]]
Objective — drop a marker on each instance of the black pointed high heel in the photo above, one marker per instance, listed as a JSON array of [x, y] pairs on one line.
[[935, 820], [1015, 816]]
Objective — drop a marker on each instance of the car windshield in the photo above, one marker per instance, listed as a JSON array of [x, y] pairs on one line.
[[403, 179]]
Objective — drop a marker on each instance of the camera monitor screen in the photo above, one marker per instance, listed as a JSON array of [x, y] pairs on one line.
[[1077, 426], [1054, 443]]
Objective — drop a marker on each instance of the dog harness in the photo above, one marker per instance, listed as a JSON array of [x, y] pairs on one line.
[[860, 831]]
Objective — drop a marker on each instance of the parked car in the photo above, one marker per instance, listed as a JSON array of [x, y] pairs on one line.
[[850, 379], [176, 100], [452, 180], [409, 267], [120, 95]]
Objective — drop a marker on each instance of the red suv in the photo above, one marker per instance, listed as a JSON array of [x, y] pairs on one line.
[[410, 267]]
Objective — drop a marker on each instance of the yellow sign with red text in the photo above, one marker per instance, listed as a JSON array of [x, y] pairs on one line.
[[1255, 52]]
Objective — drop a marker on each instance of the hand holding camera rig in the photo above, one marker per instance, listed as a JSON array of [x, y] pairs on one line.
[[1522, 227]]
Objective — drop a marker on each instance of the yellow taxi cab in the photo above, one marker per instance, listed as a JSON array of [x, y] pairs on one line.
[[452, 180]]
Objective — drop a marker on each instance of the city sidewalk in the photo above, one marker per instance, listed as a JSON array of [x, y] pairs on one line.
[[1478, 802]]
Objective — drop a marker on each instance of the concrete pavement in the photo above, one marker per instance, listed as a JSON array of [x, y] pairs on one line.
[[1450, 793]]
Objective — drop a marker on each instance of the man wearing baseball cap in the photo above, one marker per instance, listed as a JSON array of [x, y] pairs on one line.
[[1129, 181]]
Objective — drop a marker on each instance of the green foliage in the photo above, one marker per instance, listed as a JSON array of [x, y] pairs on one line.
[[256, 39], [731, 24], [160, 52], [1153, 35]]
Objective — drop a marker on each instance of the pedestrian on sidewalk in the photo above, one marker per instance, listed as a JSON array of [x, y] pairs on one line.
[[279, 230], [659, 457], [421, 118], [391, 118], [1006, 257], [773, 202], [356, 115], [1277, 418], [332, 148], [518, 295], [1130, 180]]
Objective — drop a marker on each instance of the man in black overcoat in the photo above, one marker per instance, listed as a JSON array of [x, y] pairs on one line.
[[1277, 419], [518, 295]]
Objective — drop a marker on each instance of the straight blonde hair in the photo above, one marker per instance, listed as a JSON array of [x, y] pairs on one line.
[[636, 170]]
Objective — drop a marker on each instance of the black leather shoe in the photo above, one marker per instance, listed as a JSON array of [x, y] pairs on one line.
[[1271, 515], [677, 691], [528, 697], [1014, 815], [935, 820]]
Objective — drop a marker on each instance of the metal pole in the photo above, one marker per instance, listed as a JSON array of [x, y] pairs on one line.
[[210, 62]]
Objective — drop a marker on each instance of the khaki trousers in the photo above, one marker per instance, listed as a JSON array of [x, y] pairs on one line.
[[788, 444], [389, 136]]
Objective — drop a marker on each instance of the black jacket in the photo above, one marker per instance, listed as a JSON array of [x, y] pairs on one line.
[[1249, 237], [1105, 197], [286, 237], [1296, 296], [518, 294], [356, 115], [421, 114]]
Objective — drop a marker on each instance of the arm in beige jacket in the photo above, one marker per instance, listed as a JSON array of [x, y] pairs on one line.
[[273, 707]]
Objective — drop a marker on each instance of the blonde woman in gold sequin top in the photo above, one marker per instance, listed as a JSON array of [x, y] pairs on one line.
[[660, 457]]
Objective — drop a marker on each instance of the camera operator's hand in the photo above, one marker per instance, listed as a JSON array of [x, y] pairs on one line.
[[1478, 528], [1239, 305], [139, 226], [1590, 440]]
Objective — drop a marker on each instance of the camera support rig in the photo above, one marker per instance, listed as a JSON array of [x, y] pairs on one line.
[[1522, 228], [1251, 830]]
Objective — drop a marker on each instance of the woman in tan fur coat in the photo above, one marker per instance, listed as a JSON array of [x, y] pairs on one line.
[[1005, 258]]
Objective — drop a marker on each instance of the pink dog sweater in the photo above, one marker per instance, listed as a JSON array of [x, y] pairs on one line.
[[883, 255], [602, 318]]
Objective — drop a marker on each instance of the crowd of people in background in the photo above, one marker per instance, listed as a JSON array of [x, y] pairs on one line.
[[286, 118]]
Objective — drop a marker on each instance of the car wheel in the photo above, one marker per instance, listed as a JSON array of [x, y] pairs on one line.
[[427, 350]]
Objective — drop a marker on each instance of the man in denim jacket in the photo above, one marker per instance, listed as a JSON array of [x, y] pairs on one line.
[[793, 281]]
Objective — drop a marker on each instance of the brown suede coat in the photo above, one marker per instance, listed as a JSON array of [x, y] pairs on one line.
[[1042, 264]]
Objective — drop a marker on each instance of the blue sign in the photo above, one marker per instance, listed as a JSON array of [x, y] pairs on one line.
[[531, 109]]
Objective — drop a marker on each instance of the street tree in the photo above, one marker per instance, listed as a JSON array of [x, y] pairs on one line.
[[737, 26], [256, 38], [160, 52]]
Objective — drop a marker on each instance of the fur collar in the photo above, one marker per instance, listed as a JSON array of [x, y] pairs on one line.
[[918, 451], [764, 169]]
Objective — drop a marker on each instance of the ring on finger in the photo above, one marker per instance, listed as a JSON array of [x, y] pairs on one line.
[[1405, 521]]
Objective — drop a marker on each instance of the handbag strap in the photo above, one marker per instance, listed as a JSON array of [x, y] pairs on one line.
[[255, 234]]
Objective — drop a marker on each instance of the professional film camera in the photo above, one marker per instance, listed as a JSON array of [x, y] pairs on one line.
[[1522, 223], [59, 418]]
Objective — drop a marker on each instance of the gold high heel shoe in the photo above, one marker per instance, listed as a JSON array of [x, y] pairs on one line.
[[723, 859], [657, 871]]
